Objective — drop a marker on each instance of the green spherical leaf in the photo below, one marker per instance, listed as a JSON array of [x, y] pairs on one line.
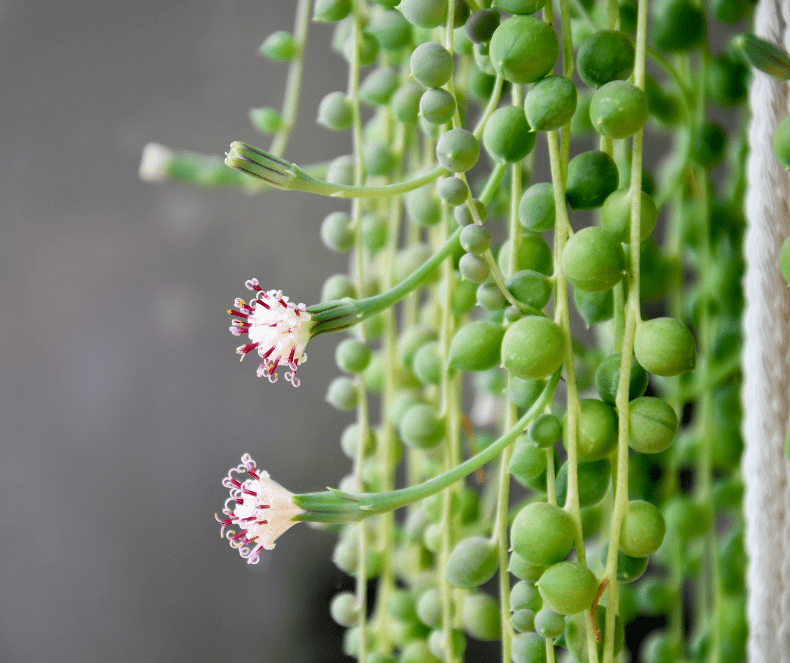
[[422, 427], [424, 13], [676, 25], [533, 348], [537, 209], [618, 109], [594, 479], [542, 534], [616, 215], [597, 430], [507, 136], [607, 379], [605, 56], [665, 346], [528, 461], [458, 150], [781, 143], [476, 346], [593, 260], [653, 424], [592, 176], [594, 307], [643, 529], [568, 587], [528, 648], [550, 103], [524, 49], [431, 64], [472, 562]]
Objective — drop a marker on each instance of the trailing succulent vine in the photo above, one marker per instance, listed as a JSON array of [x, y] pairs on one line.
[[593, 477]]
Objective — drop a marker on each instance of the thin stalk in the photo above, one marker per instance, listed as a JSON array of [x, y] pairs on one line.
[[293, 84], [633, 316]]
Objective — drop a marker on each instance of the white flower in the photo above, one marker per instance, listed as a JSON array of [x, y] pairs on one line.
[[154, 163], [278, 331], [263, 510]]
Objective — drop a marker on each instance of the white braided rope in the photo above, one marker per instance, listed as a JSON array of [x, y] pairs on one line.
[[766, 363]]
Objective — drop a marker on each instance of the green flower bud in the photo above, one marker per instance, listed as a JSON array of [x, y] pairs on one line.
[[653, 424], [422, 427], [391, 29], [349, 441], [605, 56], [341, 170], [429, 608], [431, 64], [607, 379], [480, 617], [525, 596], [677, 25], [528, 648], [265, 120], [428, 365], [528, 461], [472, 562], [279, 46], [437, 106], [437, 645], [523, 620], [618, 109], [545, 430], [665, 346], [476, 346], [763, 55], [530, 287], [507, 136], [522, 569], [597, 430], [576, 634], [616, 215], [453, 190], [548, 624], [417, 651], [533, 348], [643, 529], [406, 103], [550, 103], [331, 11], [594, 307], [424, 13], [378, 86], [337, 233], [594, 481], [338, 286], [536, 210], [458, 150], [708, 147], [480, 25], [490, 297], [592, 176], [463, 216], [344, 609], [352, 356], [368, 49], [593, 260], [542, 534], [342, 394], [335, 111], [524, 49], [568, 587]]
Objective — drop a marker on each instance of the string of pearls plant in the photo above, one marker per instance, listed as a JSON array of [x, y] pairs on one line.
[[623, 440]]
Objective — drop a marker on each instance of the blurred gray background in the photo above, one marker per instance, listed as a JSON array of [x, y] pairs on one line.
[[123, 404]]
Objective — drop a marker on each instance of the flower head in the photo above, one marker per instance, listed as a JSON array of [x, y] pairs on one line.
[[263, 510], [155, 163], [278, 331]]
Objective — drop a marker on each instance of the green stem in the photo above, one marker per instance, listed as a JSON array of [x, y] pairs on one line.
[[336, 506], [293, 83], [493, 100]]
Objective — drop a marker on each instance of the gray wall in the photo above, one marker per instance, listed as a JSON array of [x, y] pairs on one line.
[[122, 402]]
